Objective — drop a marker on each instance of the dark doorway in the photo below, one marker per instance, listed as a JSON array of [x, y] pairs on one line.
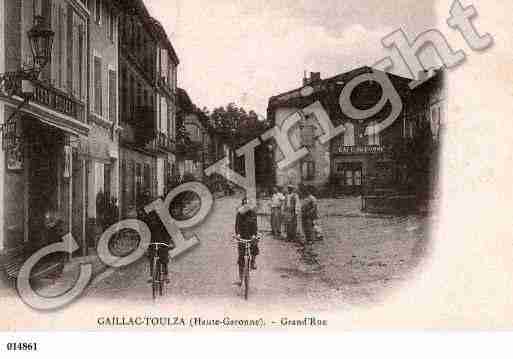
[[44, 145]]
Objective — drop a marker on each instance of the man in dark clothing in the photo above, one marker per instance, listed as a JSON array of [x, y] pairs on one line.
[[246, 227], [159, 234]]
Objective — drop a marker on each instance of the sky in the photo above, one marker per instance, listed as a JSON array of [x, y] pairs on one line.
[[245, 51]]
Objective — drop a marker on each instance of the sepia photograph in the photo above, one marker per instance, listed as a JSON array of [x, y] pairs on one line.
[[254, 165]]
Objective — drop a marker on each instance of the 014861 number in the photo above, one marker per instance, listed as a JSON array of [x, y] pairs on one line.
[[22, 347]]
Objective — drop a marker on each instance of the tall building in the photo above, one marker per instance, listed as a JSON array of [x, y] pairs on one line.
[[148, 64], [167, 103], [102, 149], [42, 161]]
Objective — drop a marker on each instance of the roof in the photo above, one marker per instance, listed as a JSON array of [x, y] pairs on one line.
[[161, 32], [324, 84], [184, 101]]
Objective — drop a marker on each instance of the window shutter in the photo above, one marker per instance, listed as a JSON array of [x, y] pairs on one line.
[[98, 86], [307, 135], [112, 96]]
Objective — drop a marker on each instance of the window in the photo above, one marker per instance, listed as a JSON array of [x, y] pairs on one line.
[[113, 87], [138, 180], [307, 135], [147, 177], [107, 179], [349, 178], [98, 86], [112, 25], [373, 135], [80, 61], [60, 46], [308, 169], [98, 11], [349, 134]]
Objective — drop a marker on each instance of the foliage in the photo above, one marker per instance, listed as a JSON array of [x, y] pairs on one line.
[[236, 123]]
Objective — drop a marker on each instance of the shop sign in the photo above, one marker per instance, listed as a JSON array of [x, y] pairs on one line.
[[9, 138]]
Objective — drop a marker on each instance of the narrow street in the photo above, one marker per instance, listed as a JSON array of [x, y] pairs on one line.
[[361, 257]]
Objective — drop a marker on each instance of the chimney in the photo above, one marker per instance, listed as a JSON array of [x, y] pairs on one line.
[[315, 77]]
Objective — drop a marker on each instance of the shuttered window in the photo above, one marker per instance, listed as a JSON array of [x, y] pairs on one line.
[[308, 135], [60, 46], [113, 86], [98, 11], [98, 85]]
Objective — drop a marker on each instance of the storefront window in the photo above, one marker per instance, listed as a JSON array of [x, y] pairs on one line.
[[349, 178], [308, 170]]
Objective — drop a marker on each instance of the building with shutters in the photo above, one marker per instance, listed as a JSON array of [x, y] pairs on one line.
[[100, 149], [360, 154], [42, 167], [200, 145], [148, 68]]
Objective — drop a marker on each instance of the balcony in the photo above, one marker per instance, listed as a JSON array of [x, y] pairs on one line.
[[359, 150], [52, 98], [140, 123], [161, 143]]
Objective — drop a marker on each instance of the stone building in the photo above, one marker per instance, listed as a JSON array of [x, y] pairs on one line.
[[360, 151], [44, 122], [148, 65], [202, 145], [102, 145]]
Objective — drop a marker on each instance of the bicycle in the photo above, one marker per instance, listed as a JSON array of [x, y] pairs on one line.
[[157, 277], [247, 260]]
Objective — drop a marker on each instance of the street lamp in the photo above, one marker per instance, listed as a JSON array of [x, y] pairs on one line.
[[21, 81], [41, 42]]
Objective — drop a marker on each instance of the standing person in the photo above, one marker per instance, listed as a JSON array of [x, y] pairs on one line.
[[246, 227], [309, 215], [292, 207], [277, 200]]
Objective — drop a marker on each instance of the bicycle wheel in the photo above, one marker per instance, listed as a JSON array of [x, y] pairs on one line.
[[161, 279], [246, 278], [154, 282]]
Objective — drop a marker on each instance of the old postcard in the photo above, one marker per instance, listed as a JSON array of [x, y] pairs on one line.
[[255, 165]]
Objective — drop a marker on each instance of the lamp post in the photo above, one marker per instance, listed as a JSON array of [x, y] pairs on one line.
[[41, 42], [21, 82]]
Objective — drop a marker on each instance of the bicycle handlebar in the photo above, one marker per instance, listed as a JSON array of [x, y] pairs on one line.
[[156, 244], [237, 238]]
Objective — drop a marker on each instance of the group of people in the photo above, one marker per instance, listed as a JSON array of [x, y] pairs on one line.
[[287, 208]]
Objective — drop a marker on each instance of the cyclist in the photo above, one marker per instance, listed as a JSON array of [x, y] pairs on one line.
[[159, 234], [246, 228]]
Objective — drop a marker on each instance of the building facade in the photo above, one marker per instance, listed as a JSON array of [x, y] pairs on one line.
[[148, 67], [42, 169], [360, 154], [101, 148]]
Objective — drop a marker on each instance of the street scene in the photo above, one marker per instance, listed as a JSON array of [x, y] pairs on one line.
[[325, 187], [361, 259]]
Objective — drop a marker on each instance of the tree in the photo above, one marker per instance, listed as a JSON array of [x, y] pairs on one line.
[[236, 123]]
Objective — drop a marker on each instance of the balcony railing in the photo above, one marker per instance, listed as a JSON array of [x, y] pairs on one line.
[[361, 149], [52, 98], [59, 101], [161, 142]]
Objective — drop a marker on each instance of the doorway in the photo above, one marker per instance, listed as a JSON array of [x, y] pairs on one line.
[[44, 146]]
